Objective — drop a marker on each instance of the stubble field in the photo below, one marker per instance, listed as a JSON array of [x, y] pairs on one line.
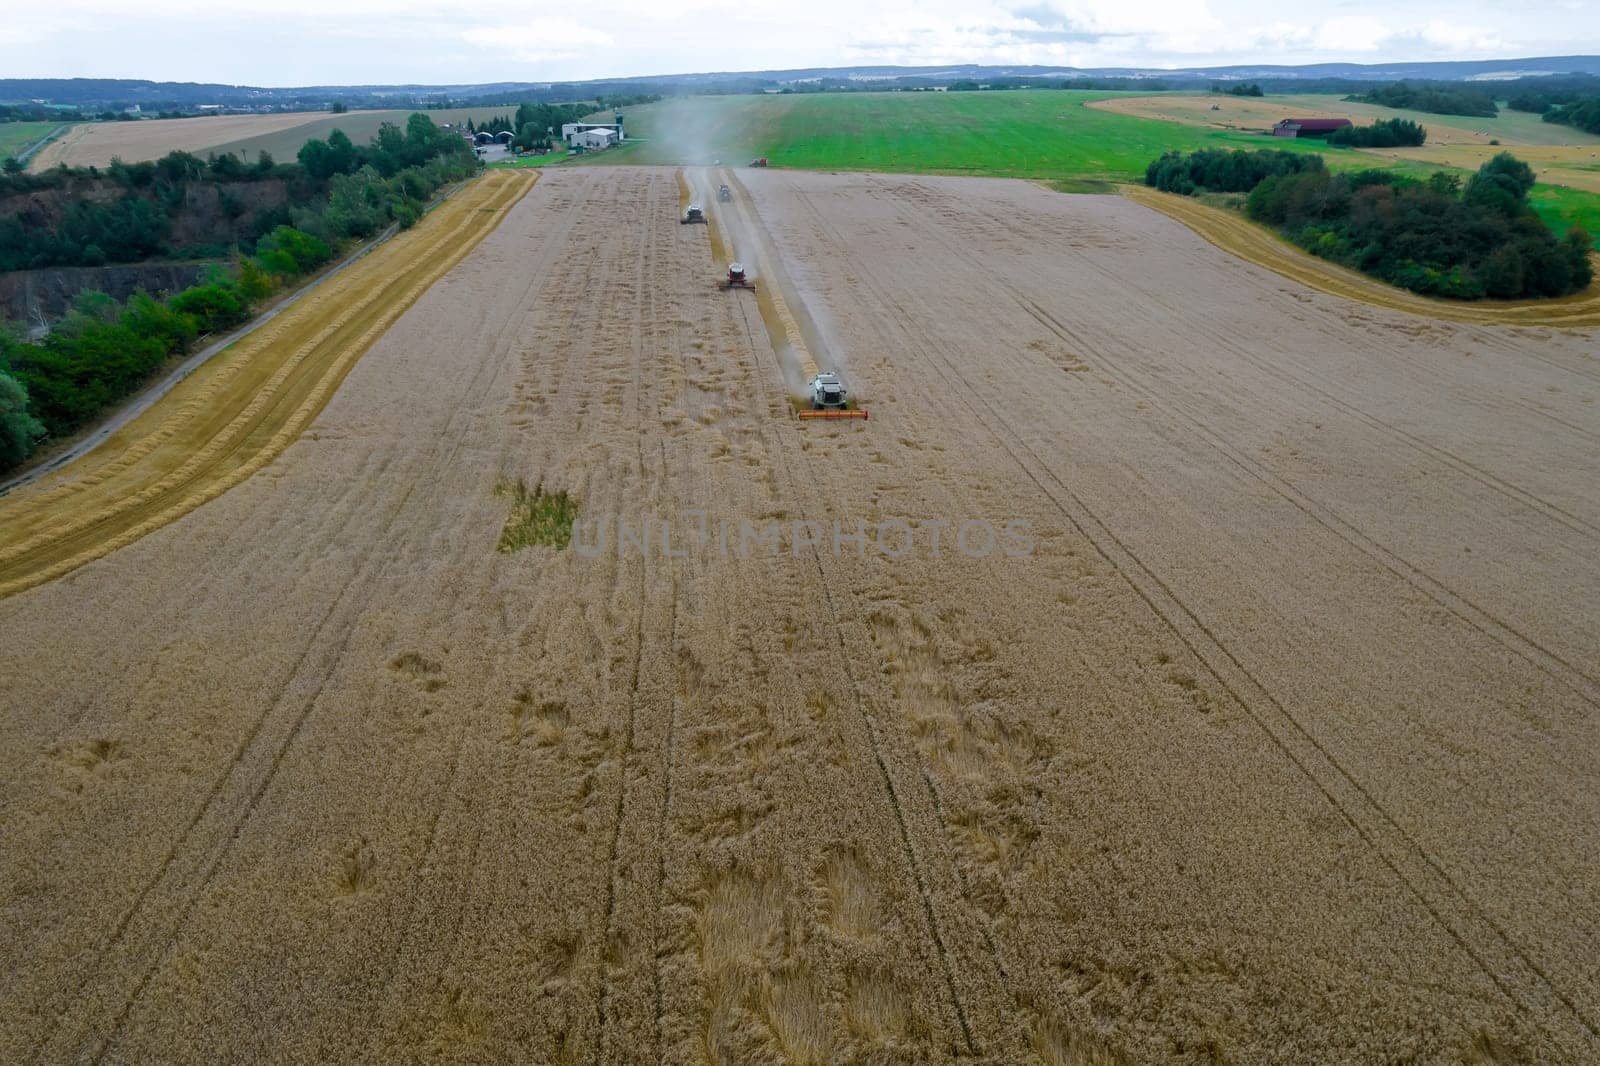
[[1278, 746]]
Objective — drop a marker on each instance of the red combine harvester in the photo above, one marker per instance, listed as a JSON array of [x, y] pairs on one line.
[[736, 278], [759, 161]]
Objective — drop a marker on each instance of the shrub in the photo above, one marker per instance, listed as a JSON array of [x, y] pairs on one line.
[[214, 306], [289, 251]]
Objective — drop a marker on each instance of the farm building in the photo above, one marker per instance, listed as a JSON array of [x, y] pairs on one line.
[[1308, 127], [600, 137], [592, 134]]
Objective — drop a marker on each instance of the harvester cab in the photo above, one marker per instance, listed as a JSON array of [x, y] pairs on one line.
[[826, 391], [724, 194], [694, 213], [736, 278]]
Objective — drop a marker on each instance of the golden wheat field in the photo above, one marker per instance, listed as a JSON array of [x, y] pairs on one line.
[[1273, 743]]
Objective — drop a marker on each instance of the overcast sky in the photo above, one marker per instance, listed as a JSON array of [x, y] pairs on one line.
[[311, 42]]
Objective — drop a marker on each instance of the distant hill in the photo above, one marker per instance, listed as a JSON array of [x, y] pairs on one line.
[[119, 93]]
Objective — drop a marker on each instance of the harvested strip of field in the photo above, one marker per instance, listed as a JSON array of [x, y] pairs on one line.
[[1277, 746], [1237, 234], [241, 410]]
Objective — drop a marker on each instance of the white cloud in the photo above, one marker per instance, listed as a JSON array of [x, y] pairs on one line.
[[538, 39]]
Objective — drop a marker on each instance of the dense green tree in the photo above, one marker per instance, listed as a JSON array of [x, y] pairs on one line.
[[1435, 98], [1385, 133], [1224, 171], [213, 306], [1502, 183], [288, 251], [18, 429], [1432, 237]]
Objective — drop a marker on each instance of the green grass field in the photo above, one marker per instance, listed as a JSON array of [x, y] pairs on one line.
[[1043, 134], [20, 136]]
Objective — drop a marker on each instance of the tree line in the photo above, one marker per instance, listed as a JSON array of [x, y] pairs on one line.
[[103, 350], [1436, 237], [1221, 170], [335, 182], [1437, 99], [1570, 102]]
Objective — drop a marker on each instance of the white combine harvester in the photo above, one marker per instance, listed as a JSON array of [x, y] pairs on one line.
[[828, 398]]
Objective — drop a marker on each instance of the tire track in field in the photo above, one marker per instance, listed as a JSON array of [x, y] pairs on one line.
[[936, 795], [1558, 667], [237, 768], [1238, 681], [576, 334], [663, 828], [914, 860], [1553, 664], [572, 287], [644, 260], [1589, 531], [441, 460]]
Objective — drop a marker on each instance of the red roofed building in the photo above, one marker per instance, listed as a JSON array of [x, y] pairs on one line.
[[1308, 127]]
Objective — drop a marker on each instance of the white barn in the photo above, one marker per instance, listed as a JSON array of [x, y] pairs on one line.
[[592, 134]]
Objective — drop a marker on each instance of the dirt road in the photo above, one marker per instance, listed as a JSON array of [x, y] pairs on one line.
[[1278, 746]]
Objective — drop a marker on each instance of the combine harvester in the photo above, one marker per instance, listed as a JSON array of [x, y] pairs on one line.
[[695, 213], [828, 398], [736, 279]]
